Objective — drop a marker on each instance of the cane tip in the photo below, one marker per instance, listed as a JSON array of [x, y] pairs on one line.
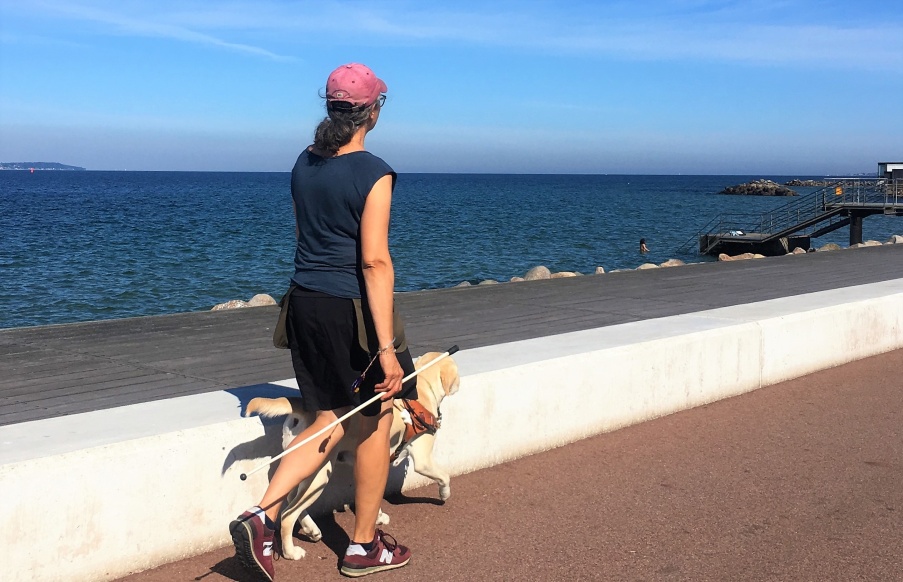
[[243, 477]]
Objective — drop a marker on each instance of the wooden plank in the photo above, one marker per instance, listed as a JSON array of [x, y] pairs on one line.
[[119, 395], [98, 376], [40, 371]]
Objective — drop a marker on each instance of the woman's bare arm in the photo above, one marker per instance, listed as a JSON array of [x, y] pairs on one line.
[[379, 278]]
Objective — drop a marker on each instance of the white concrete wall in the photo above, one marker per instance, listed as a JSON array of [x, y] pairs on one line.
[[102, 512], [99, 495], [626, 374]]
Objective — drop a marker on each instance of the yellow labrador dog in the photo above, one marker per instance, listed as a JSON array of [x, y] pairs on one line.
[[433, 385]]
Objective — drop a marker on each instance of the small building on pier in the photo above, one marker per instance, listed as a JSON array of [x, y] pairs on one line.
[[890, 170]]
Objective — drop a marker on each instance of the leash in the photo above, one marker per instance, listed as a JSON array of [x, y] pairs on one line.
[[346, 416]]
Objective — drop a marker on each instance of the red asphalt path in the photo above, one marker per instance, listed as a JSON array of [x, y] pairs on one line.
[[798, 481]]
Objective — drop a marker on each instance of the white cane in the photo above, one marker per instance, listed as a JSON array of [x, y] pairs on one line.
[[347, 415]]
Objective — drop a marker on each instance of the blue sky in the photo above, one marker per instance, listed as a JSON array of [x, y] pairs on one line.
[[664, 87]]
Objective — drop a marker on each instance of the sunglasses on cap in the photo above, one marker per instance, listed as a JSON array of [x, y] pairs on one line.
[[351, 108]]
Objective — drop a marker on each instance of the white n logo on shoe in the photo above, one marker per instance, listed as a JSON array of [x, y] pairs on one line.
[[386, 556], [267, 548]]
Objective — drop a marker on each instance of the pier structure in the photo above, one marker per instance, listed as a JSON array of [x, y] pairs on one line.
[[842, 202], [114, 433]]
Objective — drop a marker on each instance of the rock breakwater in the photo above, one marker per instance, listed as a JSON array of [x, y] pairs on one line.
[[759, 188], [541, 272]]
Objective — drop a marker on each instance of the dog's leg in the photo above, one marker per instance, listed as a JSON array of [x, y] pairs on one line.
[[304, 496], [382, 518], [402, 455], [421, 453], [287, 524]]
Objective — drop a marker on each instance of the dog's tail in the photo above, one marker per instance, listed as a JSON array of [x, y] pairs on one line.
[[273, 407]]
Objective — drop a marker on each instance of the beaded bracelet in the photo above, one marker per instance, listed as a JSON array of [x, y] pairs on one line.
[[386, 349]]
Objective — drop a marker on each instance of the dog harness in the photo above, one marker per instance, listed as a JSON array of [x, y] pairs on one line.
[[418, 420]]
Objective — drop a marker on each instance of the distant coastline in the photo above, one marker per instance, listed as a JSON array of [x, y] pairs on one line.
[[38, 166]]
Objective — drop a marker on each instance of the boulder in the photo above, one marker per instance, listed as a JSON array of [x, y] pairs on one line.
[[537, 273], [830, 247], [488, 282], [871, 243], [260, 300], [895, 240], [740, 257], [600, 270], [562, 275], [797, 251], [463, 284], [672, 263], [516, 279], [857, 246], [645, 266], [234, 304]]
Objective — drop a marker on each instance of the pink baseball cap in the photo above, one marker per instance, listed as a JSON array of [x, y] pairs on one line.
[[354, 83]]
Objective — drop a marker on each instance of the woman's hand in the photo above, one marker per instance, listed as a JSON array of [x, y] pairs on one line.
[[391, 386]]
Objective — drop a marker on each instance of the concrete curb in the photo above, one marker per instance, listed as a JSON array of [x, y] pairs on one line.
[[117, 491]]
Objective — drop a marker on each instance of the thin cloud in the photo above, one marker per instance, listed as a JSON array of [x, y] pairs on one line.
[[758, 32], [719, 35], [148, 27], [765, 32], [819, 45]]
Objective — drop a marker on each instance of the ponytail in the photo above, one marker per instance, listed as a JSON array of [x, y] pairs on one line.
[[339, 127]]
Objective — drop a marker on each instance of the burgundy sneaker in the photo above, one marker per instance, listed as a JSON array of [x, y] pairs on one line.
[[254, 545], [386, 554]]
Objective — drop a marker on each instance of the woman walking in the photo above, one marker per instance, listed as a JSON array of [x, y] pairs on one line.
[[342, 197]]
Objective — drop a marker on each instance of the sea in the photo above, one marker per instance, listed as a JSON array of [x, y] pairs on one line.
[[90, 245]]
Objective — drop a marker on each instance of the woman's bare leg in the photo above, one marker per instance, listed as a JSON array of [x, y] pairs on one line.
[[371, 471], [301, 463]]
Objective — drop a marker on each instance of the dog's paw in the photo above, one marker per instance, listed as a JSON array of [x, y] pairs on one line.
[[292, 552], [382, 518], [310, 529], [444, 492]]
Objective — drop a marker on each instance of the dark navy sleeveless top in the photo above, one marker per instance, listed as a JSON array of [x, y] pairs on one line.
[[329, 196]]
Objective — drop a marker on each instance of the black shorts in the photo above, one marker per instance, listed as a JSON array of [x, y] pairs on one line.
[[327, 357]]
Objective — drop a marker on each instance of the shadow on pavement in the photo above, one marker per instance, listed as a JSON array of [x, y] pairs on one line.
[[402, 499], [229, 568]]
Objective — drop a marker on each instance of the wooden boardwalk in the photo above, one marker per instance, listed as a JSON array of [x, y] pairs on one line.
[[57, 370]]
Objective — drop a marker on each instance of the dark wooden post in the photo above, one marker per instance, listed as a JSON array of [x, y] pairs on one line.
[[855, 228]]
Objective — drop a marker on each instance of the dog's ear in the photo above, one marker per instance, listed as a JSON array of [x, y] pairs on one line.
[[425, 359], [448, 376]]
